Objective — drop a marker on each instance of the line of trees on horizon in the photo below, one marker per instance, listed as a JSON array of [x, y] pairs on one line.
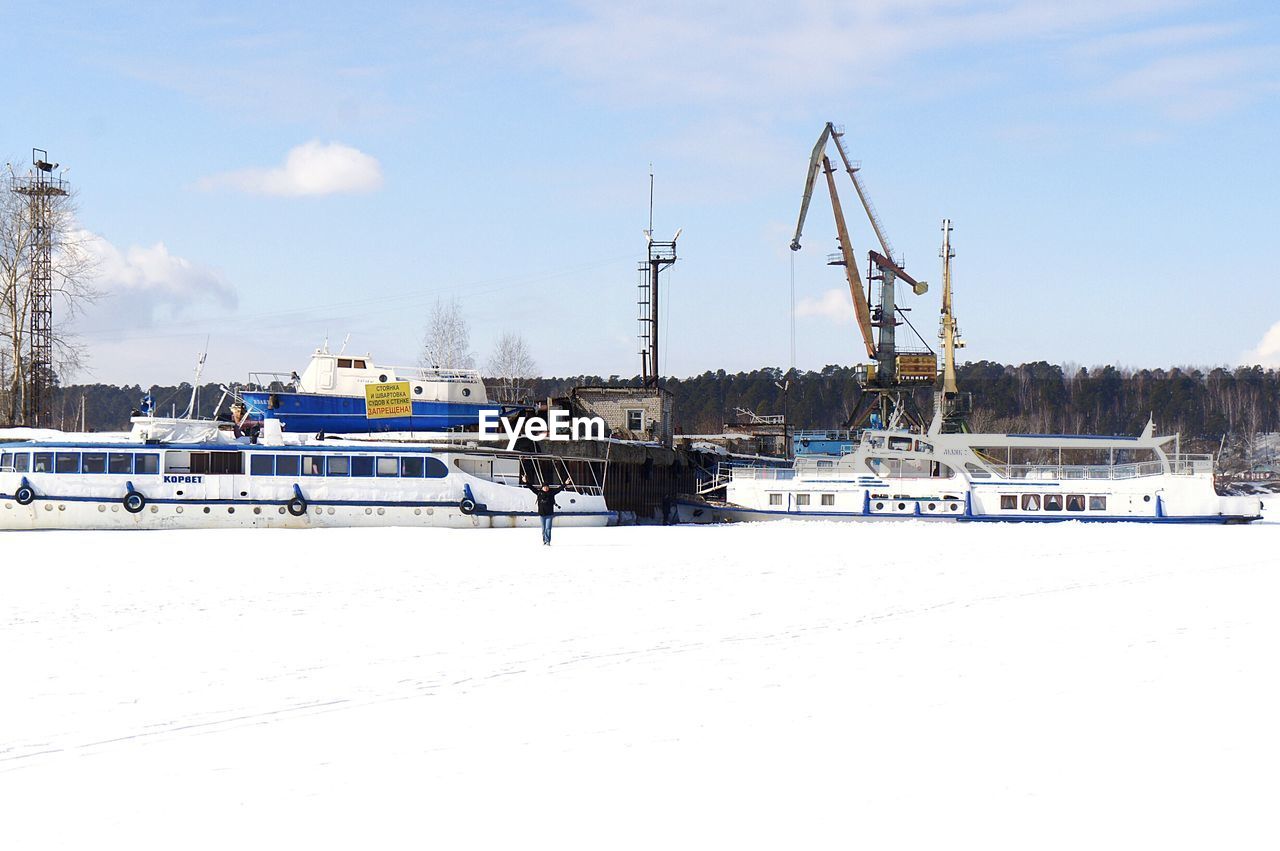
[[1207, 405]]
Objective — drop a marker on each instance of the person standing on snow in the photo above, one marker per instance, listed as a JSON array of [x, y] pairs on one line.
[[547, 506]]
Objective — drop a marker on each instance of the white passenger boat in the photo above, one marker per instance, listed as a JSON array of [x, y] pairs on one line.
[[895, 474], [173, 473]]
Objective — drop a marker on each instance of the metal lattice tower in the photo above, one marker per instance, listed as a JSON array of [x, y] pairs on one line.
[[41, 189], [661, 255]]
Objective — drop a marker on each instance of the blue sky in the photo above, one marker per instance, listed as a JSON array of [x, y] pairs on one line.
[[269, 175]]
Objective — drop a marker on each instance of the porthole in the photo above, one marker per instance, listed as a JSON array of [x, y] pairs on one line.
[[430, 511], [179, 493], [417, 389], [10, 505], [206, 509], [382, 378], [933, 507], [62, 507], [257, 509], [902, 506], [155, 509], [231, 509], [879, 505], [417, 511], [178, 509], [319, 511], [48, 507], [466, 391], [244, 493], [368, 511], [100, 508], [382, 511], [280, 509], [1146, 498], [954, 507], [331, 512], [115, 508]]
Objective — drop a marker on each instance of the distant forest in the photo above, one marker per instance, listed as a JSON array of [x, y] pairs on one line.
[[1203, 404]]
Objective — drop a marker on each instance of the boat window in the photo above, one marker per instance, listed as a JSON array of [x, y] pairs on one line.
[[146, 464], [878, 466], [344, 363], [1075, 502], [358, 364], [436, 468], [976, 472], [412, 468], [217, 463], [67, 462], [1097, 503], [802, 499], [775, 499], [1031, 502], [312, 465], [921, 446], [21, 462], [43, 463], [362, 465], [902, 443], [1053, 502], [6, 461], [339, 465], [388, 466], [828, 499], [262, 464], [94, 462], [288, 465], [120, 463], [1008, 501]]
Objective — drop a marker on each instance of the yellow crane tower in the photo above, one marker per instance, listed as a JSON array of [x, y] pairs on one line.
[[951, 402]]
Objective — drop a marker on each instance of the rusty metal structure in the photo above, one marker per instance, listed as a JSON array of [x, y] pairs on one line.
[[42, 189], [895, 371]]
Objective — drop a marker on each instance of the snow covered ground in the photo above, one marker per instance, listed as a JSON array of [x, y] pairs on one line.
[[764, 686]]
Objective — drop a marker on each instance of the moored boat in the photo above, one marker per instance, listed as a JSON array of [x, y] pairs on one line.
[[895, 475], [146, 480]]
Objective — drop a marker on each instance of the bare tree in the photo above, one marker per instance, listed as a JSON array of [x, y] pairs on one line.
[[512, 365], [447, 342], [73, 272]]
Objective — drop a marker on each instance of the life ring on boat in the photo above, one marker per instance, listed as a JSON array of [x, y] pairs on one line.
[[297, 506], [467, 506], [134, 502], [24, 495]]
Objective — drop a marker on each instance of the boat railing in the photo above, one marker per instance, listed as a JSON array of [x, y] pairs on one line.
[[272, 380], [1179, 465], [770, 473], [431, 373]]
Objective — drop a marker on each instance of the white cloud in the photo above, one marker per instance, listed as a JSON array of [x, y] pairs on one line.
[[833, 305], [1267, 352], [313, 168], [143, 286]]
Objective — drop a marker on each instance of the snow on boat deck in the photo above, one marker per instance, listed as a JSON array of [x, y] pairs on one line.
[[755, 686]]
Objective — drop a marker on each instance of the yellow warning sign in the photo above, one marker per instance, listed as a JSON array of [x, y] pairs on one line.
[[387, 400]]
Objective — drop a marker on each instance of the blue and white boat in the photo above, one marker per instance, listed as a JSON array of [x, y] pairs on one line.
[[329, 396], [173, 473], [895, 474]]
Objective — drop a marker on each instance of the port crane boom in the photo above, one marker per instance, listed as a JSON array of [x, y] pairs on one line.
[[893, 371]]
